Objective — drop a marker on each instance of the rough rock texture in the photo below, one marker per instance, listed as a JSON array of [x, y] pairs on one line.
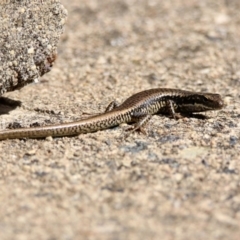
[[181, 181], [30, 31]]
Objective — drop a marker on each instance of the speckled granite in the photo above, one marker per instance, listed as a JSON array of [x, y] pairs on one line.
[[30, 31], [181, 181]]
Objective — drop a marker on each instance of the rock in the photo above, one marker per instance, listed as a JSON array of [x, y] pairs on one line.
[[30, 31]]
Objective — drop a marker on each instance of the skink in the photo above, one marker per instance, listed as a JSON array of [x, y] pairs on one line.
[[137, 109]]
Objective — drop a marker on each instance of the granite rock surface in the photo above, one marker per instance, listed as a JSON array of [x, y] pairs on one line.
[[30, 31]]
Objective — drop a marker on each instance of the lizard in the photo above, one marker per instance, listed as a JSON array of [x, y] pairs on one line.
[[137, 109]]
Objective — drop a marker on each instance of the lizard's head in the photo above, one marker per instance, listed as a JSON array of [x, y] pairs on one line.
[[200, 102]]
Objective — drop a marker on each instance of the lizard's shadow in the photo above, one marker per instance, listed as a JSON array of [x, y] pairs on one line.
[[7, 105], [189, 115], [198, 116]]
